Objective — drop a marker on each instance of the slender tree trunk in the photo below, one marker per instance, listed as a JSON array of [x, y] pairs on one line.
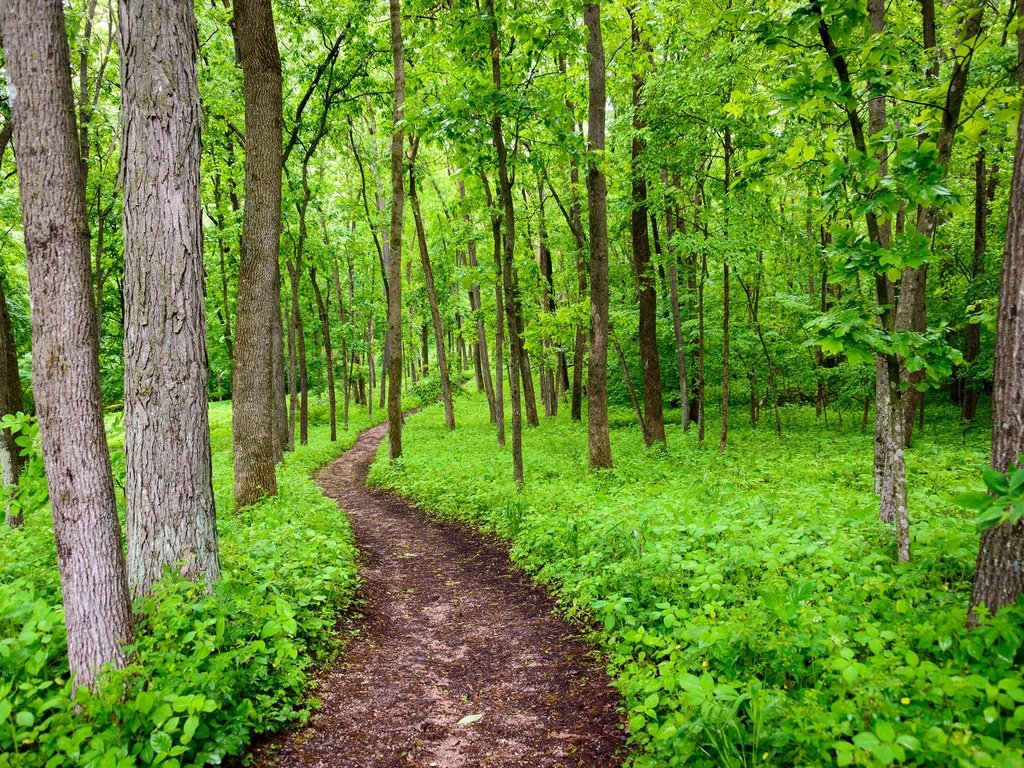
[[428, 279], [998, 575], [345, 367], [325, 330], [171, 519], [481, 328], [598, 441], [255, 411], [511, 290], [394, 270], [499, 317], [725, 302], [969, 405], [293, 377], [911, 311], [580, 345], [677, 325], [700, 348], [654, 421], [629, 387], [65, 370]]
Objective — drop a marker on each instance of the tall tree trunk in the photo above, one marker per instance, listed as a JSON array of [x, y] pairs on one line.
[[65, 369], [428, 279], [598, 441], [972, 347], [547, 305], [513, 311], [255, 411], [677, 325], [345, 368], [580, 345], [725, 300], [171, 520], [325, 330], [654, 420], [998, 575], [481, 327], [394, 270], [911, 311], [499, 316]]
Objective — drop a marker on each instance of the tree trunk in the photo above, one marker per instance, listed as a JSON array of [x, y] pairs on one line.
[[598, 442], [394, 266], [677, 325], [428, 279], [654, 421], [255, 413], [972, 347], [345, 367], [911, 311], [511, 289], [481, 328], [499, 317], [725, 302], [171, 519], [11, 401], [999, 575], [325, 330], [65, 370]]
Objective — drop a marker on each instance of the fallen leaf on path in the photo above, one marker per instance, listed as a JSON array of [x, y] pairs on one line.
[[469, 719]]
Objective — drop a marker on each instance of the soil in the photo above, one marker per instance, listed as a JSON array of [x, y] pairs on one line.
[[450, 630]]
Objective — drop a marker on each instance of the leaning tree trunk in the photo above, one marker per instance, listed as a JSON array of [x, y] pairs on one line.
[[171, 520], [598, 442], [481, 327], [65, 368], [972, 347], [394, 266], [255, 409], [428, 279], [999, 577], [499, 318], [11, 401]]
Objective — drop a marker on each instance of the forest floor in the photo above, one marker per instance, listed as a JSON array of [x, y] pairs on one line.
[[460, 659]]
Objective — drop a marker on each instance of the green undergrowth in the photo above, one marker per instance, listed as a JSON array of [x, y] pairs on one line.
[[750, 603], [208, 671]]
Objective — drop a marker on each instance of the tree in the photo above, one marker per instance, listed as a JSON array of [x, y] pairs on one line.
[[171, 519], [394, 266], [598, 441], [65, 368], [998, 576], [255, 416]]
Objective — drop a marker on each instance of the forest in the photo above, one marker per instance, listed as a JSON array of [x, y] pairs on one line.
[[511, 383]]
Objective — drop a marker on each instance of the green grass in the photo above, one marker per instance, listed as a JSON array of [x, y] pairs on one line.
[[750, 604], [208, 671]]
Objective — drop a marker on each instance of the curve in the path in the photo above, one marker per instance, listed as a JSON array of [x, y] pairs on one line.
[[450, 630]]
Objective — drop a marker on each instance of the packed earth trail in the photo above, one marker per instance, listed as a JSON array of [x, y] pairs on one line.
[[459, 661]]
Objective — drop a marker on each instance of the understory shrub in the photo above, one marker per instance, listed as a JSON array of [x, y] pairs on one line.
[[750, 603], [208, 671]]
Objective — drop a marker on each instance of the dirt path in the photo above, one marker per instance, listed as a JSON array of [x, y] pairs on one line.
[[450, 630]]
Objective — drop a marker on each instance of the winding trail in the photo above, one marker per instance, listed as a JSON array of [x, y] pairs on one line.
[[450, 629]]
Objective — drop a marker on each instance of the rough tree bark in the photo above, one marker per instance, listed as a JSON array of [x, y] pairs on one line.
[[171, 519], [65, 369], [255, 414], [394, 266], [999, 573], [598, 442]]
